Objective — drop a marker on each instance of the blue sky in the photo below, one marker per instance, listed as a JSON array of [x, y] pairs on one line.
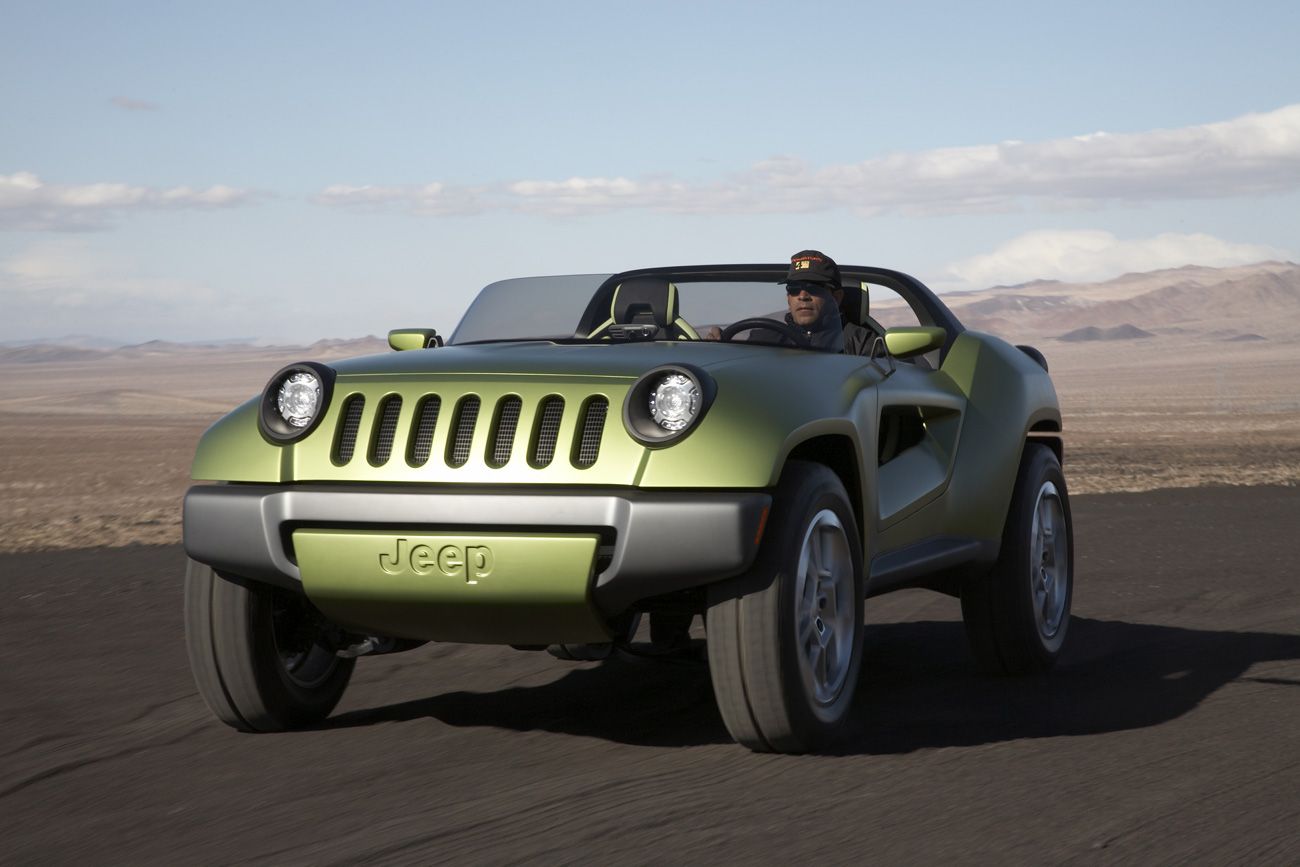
[[293, 171]]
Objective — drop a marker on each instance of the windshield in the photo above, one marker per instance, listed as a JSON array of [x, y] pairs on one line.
[[581, 307], [545, 307]]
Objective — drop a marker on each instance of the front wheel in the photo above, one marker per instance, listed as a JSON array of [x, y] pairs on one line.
[[260, 655], [1017, 616], [784, 656]]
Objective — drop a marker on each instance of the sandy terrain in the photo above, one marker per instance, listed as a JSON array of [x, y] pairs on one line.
[[97, 452]]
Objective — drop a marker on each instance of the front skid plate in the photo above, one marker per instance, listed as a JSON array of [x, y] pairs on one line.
[[484, 588]]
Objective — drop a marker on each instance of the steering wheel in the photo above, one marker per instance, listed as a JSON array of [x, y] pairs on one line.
[[789, 332]]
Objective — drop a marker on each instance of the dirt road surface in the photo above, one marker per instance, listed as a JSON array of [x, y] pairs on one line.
[[1170, 732]]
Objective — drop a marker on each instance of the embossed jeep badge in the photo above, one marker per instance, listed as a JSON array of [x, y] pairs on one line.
[[470, 562]]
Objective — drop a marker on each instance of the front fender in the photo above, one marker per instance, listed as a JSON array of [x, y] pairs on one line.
[[233, 450], [760, 416]]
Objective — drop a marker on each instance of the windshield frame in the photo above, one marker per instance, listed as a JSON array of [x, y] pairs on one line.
[[925, 304]]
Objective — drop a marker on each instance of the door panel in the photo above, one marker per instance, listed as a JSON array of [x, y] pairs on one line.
[[920, 419]]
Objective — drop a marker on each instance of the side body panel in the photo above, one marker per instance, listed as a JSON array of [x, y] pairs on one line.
[[1006, 393]]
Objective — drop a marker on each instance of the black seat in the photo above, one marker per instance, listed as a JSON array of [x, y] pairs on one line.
[[855, 306], [647, 301]]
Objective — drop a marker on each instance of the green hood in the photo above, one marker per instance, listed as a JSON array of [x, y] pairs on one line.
[[762, 396], [617, 360]]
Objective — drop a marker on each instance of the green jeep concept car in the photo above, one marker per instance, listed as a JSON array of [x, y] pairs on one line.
[[588, 450]]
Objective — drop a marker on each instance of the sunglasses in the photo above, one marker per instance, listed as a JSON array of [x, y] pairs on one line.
[[810, 288]]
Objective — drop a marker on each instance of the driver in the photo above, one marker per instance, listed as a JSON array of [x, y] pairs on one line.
[[813, 293]]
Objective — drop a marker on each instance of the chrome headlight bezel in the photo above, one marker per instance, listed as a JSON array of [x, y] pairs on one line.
[[642, 427], [273, 426]]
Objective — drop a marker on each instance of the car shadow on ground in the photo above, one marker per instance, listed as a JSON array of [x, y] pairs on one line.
[[919, 689]]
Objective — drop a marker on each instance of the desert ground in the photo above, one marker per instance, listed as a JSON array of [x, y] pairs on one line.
[[1167, 734], [96, 452]]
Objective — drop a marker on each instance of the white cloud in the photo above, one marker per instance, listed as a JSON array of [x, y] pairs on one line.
[[1092, 255], [1252, 154], [431, 199], [69, 273], [127, 103], [27, 202]]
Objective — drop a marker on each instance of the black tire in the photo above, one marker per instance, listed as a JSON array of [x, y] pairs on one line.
[[257, 653], [1017, 616], [764, 678]]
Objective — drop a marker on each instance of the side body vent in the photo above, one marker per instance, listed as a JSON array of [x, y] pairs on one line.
[[463, 431], [592, 426], [345, 443], [502, 441], [381, 441], [547, 433], [426, 422]]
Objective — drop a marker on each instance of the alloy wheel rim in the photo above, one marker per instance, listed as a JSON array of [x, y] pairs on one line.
[[824, 608], [1049, 561]]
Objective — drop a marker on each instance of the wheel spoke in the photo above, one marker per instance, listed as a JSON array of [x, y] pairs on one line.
[[807, 631], [825, 553], [816, 658], [814, 554], [808, 596]]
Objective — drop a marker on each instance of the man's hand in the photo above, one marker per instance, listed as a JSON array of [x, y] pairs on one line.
[[713, 332]]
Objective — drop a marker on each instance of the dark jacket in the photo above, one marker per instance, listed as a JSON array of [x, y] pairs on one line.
[[857, 340], [831, 335]]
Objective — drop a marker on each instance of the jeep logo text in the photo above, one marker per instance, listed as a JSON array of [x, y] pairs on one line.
[[470, 562]]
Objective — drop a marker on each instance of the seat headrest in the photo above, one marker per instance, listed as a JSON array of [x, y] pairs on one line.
[[855, 306], [645, 301]]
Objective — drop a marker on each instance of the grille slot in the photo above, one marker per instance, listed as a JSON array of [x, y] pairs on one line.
[[346, 442], [547, 433], [587, 448], [466, 419], [503, 432], [426, 421], [381, 441]]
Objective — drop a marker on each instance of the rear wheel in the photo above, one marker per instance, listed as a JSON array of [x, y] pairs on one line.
[[785, 656], [1017, 616], [261, 656]]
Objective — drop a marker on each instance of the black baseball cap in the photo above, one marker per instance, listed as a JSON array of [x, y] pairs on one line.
[[813, 266]]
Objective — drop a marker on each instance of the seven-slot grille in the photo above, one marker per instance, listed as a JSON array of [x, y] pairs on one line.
[[346, 442], [502, 441], [587, 448], [426, 419], [539, 441], [381, 446], [463, 430], [547, 434]]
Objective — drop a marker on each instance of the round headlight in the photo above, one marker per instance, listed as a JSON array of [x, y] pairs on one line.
[[299, 398], [294, 401], [675, 402], [667, 403]]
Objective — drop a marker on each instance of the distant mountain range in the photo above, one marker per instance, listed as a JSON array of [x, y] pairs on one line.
[[1244, 303], [56, 351], [1259, 301]]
